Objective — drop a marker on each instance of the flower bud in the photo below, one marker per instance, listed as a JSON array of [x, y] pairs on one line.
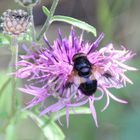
[[27, 3], [15, 22]]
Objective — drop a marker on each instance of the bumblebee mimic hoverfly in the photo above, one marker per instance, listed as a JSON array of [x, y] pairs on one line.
[[82, 75]]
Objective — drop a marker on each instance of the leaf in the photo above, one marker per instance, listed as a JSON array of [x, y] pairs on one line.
[[5, 94], [46, 10], [51, 130], [77, 110], [3, 86], [75, 22]]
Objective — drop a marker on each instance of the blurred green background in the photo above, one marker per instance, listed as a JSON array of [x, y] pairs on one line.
[[120, 21]]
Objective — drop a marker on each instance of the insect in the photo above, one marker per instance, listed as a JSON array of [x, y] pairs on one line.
[[82, 74], [83, 77]]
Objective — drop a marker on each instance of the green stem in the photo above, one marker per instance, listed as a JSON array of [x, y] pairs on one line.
[[47, 22], [30, 9], [14, 49]]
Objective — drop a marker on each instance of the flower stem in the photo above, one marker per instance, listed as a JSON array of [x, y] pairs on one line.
[[47, 22], [30, 9], [14, 49]]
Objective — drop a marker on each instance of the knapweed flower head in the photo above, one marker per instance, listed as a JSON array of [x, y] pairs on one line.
[[71, 70], [27, 2], [15, 22]]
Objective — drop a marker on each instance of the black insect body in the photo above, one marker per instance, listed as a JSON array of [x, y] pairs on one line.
[[89, 87], [84, 70]]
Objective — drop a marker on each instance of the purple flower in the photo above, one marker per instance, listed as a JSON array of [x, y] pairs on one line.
[[49, 71]]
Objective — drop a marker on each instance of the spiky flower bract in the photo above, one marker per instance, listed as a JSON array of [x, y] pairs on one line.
[[48, 70], [15, 22]]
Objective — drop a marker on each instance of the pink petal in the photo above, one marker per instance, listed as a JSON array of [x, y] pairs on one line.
[[93, 111], [115, 98], [125, 66], [67, 116], [107, 103]]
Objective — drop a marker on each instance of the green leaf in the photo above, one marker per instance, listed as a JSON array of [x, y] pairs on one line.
[[77, 110], [75, 22], [4, 85], [5, 94], [46, 10], [4, 40], [51, 130]]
